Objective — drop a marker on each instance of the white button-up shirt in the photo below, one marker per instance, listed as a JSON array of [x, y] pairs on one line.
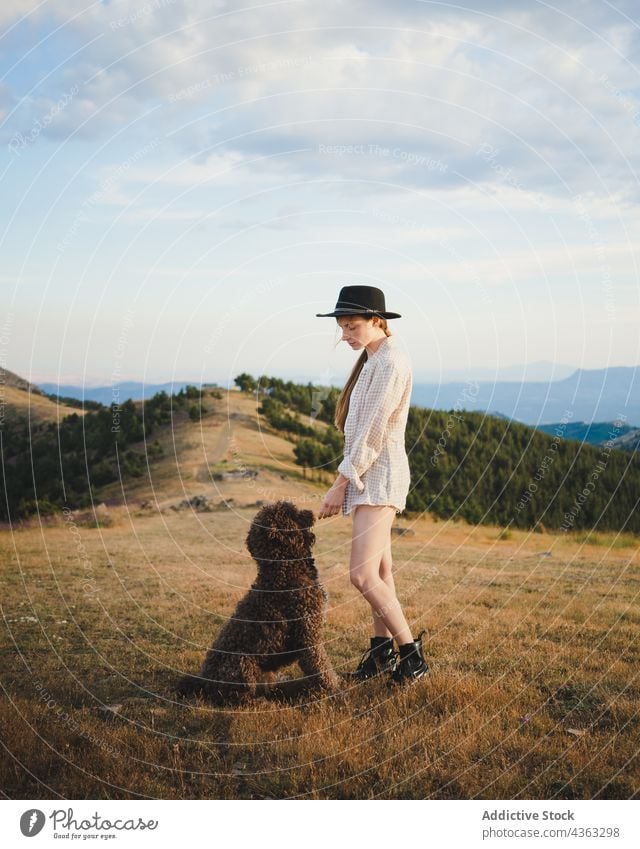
[[375, 459]]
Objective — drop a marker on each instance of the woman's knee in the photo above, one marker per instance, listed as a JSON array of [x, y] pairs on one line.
[[371, 545], [364, 579]]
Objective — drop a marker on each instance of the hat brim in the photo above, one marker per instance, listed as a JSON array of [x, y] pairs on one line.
[[357, 312]]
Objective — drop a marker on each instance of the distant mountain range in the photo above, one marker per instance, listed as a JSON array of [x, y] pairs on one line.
[[541, 370], [119, 392], [586, 395]]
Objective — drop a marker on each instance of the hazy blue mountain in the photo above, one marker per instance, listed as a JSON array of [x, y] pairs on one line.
[[542, 370], [118, 393], [537, 371], [586, 395]]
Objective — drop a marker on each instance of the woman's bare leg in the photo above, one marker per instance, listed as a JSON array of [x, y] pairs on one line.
[[379, 628], [371, 539]]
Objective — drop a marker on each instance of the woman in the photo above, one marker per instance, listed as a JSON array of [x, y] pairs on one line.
[[374, 477]]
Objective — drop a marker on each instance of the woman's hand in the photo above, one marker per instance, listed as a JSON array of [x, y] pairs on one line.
[[333, 500]]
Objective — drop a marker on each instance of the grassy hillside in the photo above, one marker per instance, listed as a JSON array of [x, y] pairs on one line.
[[67, 463], [484, 469], [22, 406], [489, 470]]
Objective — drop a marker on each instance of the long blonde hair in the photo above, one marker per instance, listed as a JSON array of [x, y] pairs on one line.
[[342, 404]]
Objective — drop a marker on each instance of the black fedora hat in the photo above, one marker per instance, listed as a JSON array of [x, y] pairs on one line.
[[360, 300]]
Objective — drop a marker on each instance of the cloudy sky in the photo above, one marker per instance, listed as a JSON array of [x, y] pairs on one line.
[[185, 183]]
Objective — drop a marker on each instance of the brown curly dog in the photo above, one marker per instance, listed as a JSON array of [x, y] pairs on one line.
[[280, 619]]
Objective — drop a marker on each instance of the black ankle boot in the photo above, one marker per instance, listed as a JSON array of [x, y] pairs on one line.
[[412, 663], [378, 659]]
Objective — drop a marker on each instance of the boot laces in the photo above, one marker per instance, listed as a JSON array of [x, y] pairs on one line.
[[369, 655]]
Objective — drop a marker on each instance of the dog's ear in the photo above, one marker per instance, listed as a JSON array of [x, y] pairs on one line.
[[306, 519]]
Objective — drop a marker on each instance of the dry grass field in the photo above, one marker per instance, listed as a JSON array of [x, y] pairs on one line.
[[533, 641]]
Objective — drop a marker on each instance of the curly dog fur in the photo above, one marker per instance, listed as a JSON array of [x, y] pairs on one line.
[[280, 619]]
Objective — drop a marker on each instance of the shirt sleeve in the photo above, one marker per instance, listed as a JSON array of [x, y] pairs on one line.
[[382, 398]]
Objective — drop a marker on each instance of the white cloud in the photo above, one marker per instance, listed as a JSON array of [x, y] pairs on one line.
[[429, 81], [12, 12]]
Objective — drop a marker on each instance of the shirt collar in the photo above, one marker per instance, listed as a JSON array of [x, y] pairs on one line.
[[385, 343]]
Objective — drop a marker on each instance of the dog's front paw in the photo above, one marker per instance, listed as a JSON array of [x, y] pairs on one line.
[[330, 683]]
